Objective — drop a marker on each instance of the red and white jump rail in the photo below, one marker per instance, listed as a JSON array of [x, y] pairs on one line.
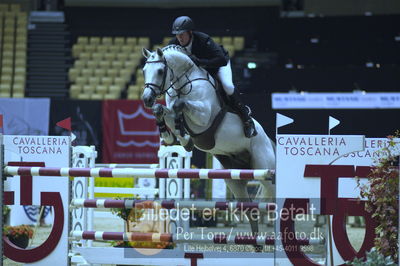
[[181, 238], [263, 174], [126, 165], [263, 207]]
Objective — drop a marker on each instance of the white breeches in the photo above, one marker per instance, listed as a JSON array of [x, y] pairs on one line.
[[225, 76]]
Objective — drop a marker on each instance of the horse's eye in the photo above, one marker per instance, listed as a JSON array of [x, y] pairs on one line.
[[160, 72]]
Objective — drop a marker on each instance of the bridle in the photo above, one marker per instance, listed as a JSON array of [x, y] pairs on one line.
[[159, 87]]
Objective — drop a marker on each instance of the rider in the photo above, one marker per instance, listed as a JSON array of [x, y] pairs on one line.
[[215, 59]]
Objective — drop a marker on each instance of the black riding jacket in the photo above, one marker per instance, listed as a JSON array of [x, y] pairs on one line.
[[211, 55]]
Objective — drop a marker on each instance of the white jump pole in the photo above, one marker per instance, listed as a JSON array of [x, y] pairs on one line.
[[91, 164], [174, 157], [83, 156], [186, 184], [184, 159], [161, 182]]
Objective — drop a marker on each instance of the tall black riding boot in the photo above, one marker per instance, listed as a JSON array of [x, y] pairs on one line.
[[244, 114]]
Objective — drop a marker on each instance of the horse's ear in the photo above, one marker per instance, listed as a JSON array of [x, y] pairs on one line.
[[160, 52], [146, 53]]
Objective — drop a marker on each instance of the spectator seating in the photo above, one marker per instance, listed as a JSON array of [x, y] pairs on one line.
[[13, 46], [231, 44], [104, 65]]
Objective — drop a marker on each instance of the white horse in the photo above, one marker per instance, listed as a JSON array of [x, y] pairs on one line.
[[191, 97]]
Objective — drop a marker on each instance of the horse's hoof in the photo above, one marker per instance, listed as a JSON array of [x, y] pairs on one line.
[[189, 146]]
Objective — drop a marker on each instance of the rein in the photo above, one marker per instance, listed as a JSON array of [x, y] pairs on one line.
[[180, 88], [191, 85]]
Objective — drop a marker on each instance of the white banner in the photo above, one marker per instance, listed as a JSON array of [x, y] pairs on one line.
[[53, 152], [325, 170], [25, 116], [299, 150], [336, 100]]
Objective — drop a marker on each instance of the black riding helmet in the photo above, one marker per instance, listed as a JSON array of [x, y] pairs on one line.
[[182, 24]]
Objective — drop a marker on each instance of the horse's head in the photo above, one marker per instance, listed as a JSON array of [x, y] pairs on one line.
[[155, 73], [163, 68]]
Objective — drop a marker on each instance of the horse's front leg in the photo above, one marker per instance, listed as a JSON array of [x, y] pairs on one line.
[[186, 142], [159, 111], [197, 113], [165, 117], [178, 109]]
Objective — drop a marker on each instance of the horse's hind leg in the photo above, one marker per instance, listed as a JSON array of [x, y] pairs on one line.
[[239, 190], [263, 157], [237, 187]]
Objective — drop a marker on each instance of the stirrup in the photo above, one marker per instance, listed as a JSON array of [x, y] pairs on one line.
[[248, 110]]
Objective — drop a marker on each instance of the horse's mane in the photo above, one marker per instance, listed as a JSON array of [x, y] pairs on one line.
[[174, 47], [178, 52]]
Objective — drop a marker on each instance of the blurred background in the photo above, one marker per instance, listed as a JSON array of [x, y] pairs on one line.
[[307, 59]]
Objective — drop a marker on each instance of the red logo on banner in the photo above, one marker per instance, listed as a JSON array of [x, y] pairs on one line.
[[130, 134]]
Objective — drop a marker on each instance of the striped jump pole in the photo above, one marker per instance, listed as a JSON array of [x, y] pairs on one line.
[[261, 174], [183, 238], [263, 207]]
